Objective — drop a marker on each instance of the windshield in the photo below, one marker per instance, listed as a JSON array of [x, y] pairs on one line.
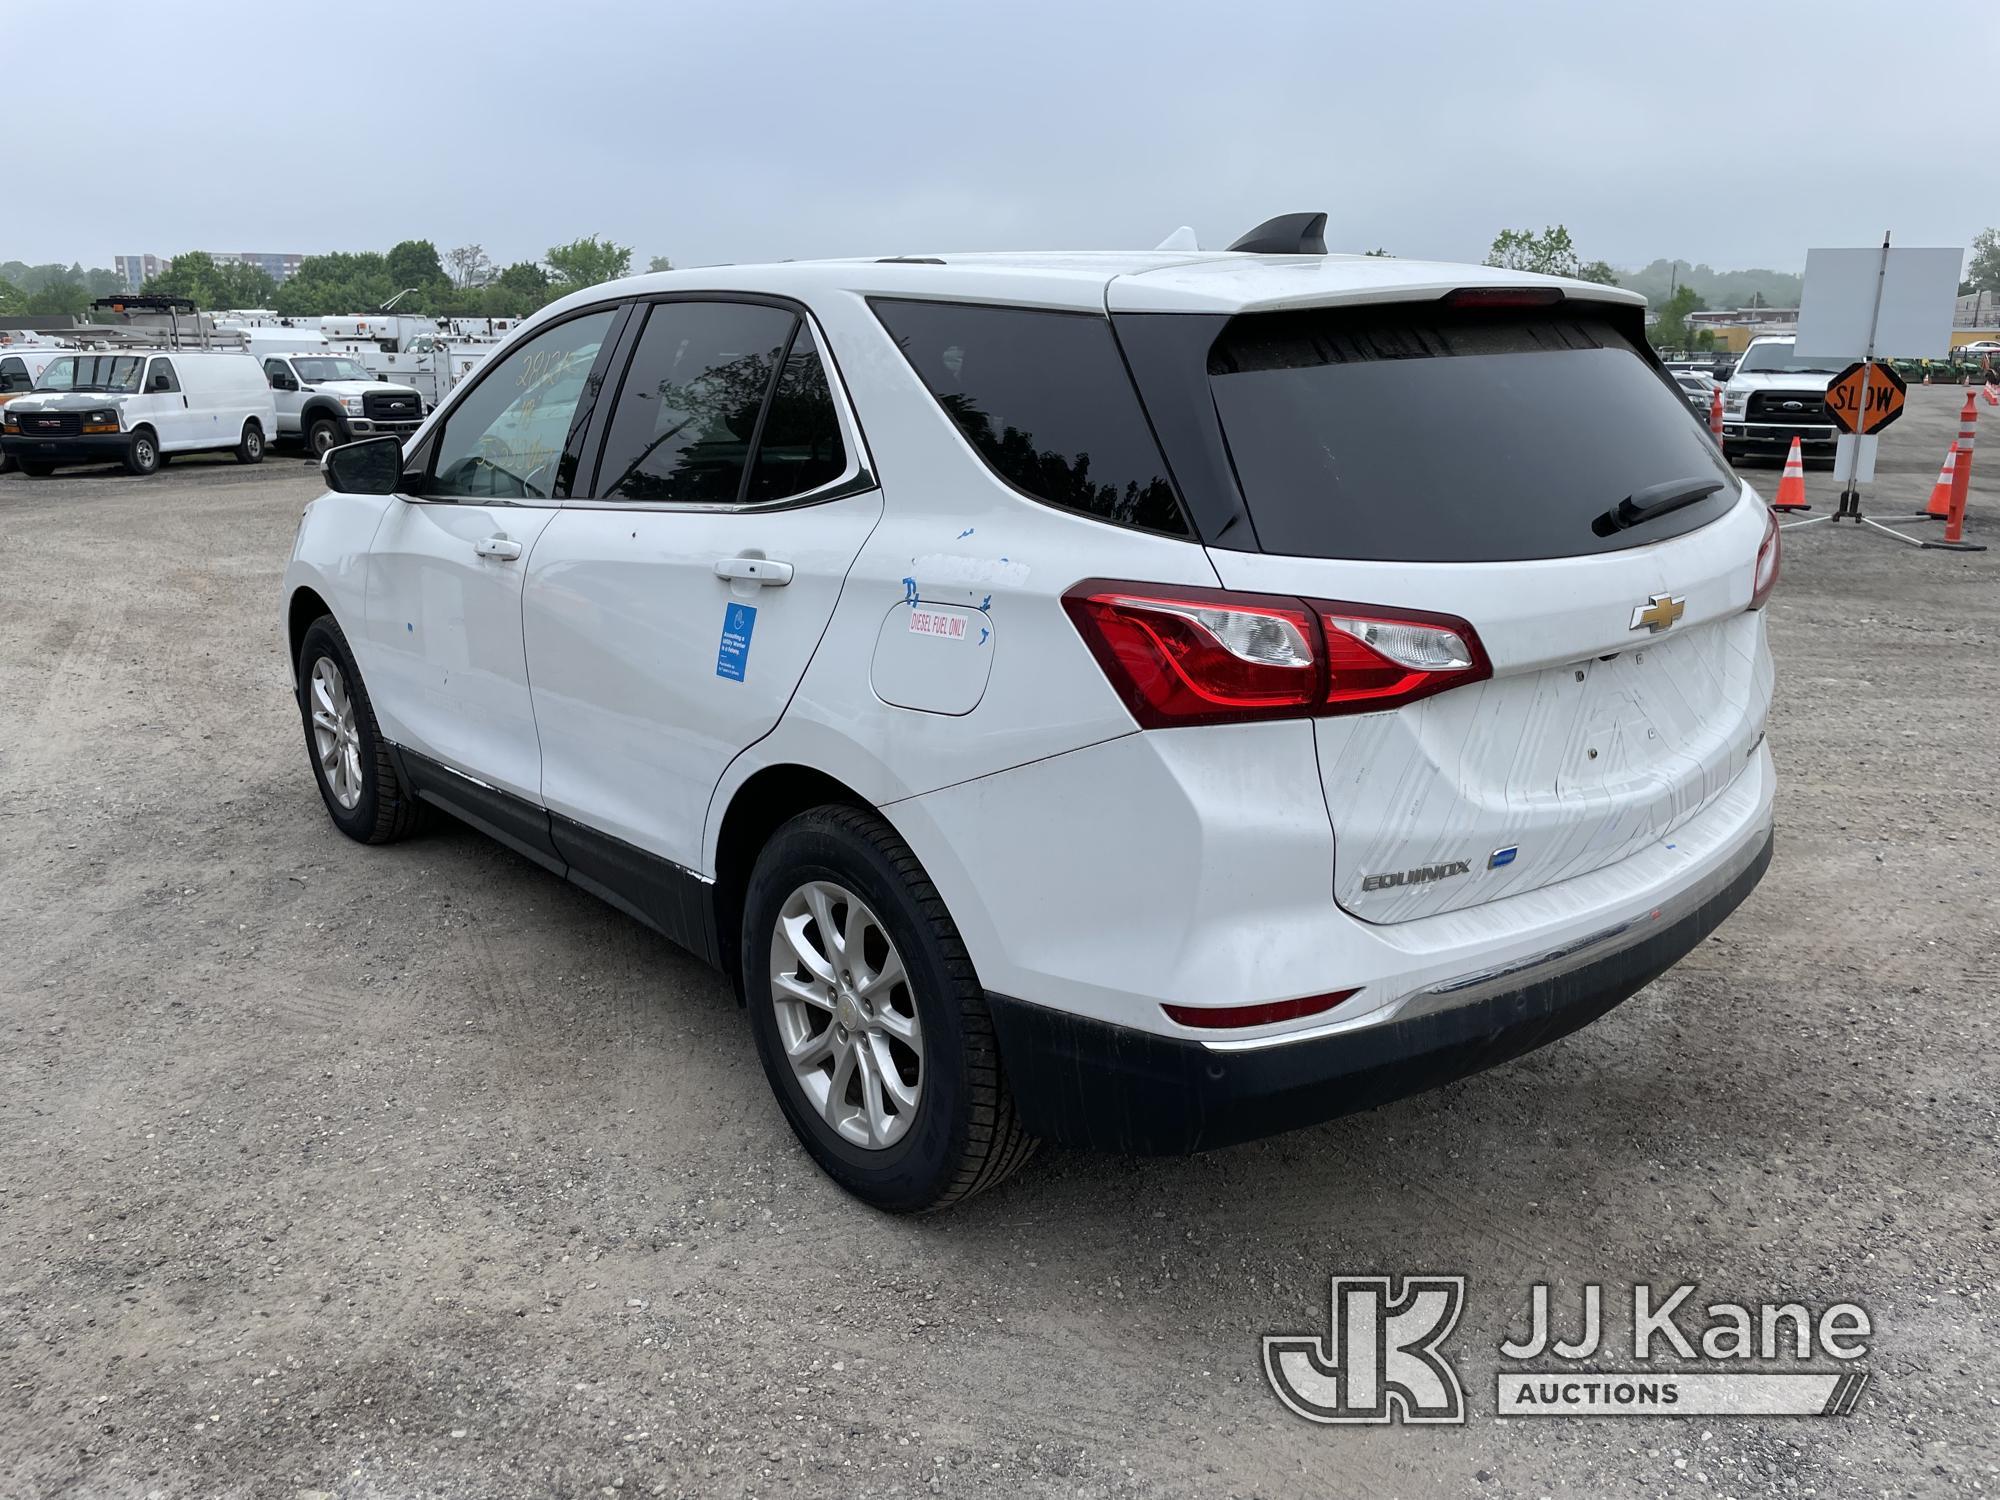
[[320, 367], [1332, 418], [1778, 359], [93, 372]]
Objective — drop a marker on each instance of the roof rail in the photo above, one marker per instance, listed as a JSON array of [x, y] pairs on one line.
[[1288, 234]]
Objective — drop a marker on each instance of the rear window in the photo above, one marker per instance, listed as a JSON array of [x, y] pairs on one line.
[[1045, 398], [1452, 436]]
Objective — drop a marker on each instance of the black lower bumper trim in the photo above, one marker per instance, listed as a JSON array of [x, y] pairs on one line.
[[110, 448], [1111, 1088]]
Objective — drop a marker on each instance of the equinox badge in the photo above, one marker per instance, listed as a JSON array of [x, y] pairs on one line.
[[1658, 613], [1419, 876]]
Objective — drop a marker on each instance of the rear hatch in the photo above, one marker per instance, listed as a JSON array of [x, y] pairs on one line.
[[1470, 461]]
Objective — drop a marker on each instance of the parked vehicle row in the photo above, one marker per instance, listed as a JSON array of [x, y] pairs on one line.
[[806, 613], [139, 408]]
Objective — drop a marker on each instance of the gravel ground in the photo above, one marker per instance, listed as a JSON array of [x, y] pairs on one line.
[[413, 1172]]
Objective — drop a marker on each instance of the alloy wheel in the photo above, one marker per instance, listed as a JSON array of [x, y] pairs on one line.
[[336, 739], [847, 1019]]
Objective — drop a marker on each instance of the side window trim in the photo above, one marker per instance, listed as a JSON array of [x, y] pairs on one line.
[[427, 451], [764, 412], [857, 479]]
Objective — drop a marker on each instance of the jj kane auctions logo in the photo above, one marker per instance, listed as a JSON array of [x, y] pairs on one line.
[[1381, 1361]]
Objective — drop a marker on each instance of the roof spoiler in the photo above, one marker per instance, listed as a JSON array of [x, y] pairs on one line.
[[1288, 234]]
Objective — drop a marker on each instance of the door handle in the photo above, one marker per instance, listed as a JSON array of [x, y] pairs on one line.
[[500, 548], [767, 571]]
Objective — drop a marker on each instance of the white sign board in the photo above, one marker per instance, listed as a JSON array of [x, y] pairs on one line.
[[1918, 287], [1854, 458]]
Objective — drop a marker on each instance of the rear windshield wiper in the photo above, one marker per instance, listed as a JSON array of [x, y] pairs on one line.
[[1653, 502]]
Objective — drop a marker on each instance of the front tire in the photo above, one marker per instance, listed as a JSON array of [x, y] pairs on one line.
[[869, 1018], [251, 449], [323, 433], [142, 455], [350, 761]]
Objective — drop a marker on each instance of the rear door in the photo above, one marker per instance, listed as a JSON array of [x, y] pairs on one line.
[[1472, 462], [674, 604]]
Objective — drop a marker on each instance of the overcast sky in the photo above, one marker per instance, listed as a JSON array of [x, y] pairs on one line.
[[756, 129]]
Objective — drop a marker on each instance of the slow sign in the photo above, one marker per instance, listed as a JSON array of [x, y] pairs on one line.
[[1885, 396]]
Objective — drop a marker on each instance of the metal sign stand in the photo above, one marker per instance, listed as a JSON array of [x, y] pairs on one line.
[[1850, 495]]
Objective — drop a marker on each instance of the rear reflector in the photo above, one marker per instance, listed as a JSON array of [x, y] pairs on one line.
[[1223, 1017], [1180, 656]]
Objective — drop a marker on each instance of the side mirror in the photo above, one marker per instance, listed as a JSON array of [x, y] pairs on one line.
[[162, 382], [283, 383], [373, 466]]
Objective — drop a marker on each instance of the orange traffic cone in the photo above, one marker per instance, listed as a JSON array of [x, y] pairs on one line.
[[1715, 416], [1792, 483], [1991, 394], [1940, 505]]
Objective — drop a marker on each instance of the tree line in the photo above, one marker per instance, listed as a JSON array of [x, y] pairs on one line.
[[461, 283], [53, 289]]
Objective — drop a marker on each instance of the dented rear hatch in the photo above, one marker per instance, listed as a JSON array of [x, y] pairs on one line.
[[1526, 468]]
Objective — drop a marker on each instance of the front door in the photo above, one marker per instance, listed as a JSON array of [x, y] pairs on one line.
[[670, 615], [288, 399], [170, 414], [444, 659]]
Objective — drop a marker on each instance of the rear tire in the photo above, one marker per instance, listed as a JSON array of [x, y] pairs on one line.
[[142, 455], [961, 1135], [350, 761], [251, 449]]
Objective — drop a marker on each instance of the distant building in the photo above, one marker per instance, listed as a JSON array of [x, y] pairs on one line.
[[137, 270], [276, 266]]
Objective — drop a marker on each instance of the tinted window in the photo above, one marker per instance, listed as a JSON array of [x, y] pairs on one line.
[[687, 413], [800, 447], [1432, 437], [504, 440], [162, 369], [14, 375], [1045, 399]]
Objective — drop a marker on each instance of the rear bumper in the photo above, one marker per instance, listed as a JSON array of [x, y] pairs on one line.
[[108, 448], [1089, 1083]]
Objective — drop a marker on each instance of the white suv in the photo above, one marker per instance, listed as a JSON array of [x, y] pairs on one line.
[[1141, 700]]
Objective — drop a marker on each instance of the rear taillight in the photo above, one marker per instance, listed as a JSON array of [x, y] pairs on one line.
[[1180, 656], [1766, 577], [1220, 1017]]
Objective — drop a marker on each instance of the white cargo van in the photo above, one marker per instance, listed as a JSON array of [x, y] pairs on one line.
[[139, 408]]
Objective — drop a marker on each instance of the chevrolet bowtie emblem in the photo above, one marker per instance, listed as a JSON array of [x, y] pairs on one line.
[[1658, 613]]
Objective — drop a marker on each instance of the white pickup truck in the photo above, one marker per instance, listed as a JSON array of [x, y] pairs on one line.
[[1775, 396], [325, 400]]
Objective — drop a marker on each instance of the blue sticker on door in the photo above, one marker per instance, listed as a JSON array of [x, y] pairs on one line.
[[738, 620]]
